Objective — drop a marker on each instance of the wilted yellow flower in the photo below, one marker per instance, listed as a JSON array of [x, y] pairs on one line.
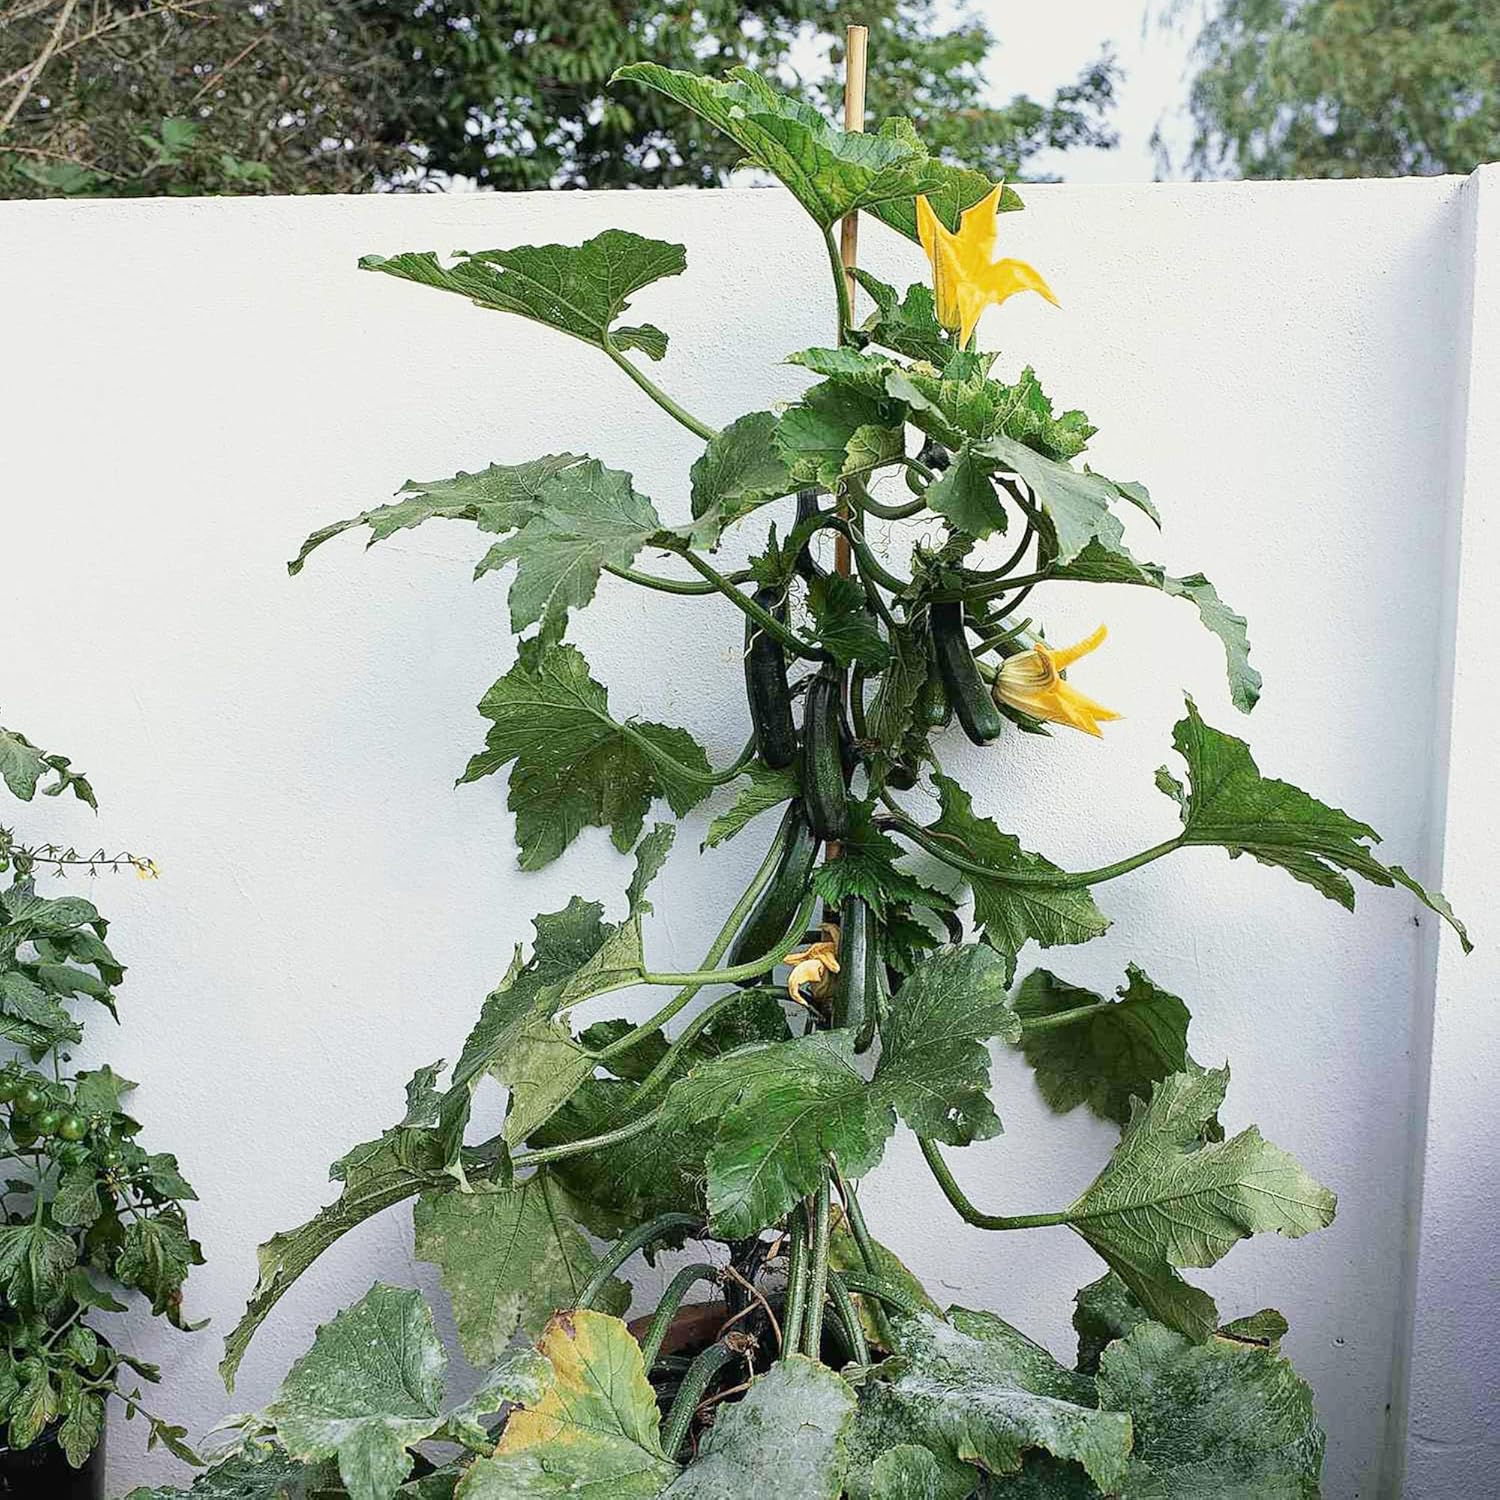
[[815, 966], [966, 278], [147, 869], [1033, 684]]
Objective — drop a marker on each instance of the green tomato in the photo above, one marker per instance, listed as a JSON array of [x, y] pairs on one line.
[[47, 1122], [73, 1127], [10, 1086], [22, 1134], [29, 1099], [111, 1158]]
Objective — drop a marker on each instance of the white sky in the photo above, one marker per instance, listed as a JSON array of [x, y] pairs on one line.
[[1042, 46]]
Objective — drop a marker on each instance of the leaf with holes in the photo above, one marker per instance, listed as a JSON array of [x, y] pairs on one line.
[[578, 289]]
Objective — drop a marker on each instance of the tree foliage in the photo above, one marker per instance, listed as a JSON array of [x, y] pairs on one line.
[[1347, 88]]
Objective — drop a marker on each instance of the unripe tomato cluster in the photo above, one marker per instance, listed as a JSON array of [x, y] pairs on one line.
[[39, 1109]]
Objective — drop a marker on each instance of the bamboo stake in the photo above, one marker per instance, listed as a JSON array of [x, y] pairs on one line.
[[856, 54]]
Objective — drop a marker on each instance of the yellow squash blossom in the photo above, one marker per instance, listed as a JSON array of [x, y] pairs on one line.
[[815, 966], [966, 278], [1033, 684]]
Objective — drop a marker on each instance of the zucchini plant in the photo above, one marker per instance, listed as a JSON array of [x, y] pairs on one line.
[[857, 984]]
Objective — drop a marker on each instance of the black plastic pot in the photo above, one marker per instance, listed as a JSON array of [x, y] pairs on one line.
[[40, 1472]]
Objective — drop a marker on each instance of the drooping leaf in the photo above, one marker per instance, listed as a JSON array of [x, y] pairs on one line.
[[1111, 1052], [934, 1064], [1266, 1327], [964, 494], [1103, 1311], [739, 471], [520, 1376], [893, 711], [274, 1475], [1171, 1198], [155, 1258], [596, 1432], [34, 1264], [82, 1425], [1010, 910], [975, 1391], [766, 789], [785, 1438], [369, 1389], [1213, 1421], [375, 1175], [509, 1257], [577, 767], [1229, 803], [843, 623], [650, 855], [1111, 562], [585, 518], [23, 766], [830, 172], [949, 189], [497, 499], [578, 289]]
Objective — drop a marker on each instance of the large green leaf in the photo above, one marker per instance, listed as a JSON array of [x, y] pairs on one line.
[[1229, 803], [739, 471], [950, 190], [1171, 1197], [34, 1264], [780, 1108], [1011, 912], [509, 1257], [375, 1175], [1214, 1421], [1103, 561], [497, 499], [1108, 1052], [576, 767], [270, 1476], [843, 623], [594, 1435], [785, 1438], [578, 289], [586, 518], [766, 789], [370, 1387], [934, 1064], [975, 1391], [838, 429], [829, 171]]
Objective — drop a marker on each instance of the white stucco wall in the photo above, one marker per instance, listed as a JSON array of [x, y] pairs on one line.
[[190, 387]]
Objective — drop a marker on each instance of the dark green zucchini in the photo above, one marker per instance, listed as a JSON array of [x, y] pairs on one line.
[[772, 914], [766, 689], [966, 690], [824, 789], [807, 508], [860, 995]]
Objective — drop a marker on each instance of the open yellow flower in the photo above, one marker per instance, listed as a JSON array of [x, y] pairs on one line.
[[966, 278], [815, 966], [1033, 684]]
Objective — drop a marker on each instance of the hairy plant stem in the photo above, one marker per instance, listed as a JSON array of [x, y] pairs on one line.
[[655, 392], [681, 1284], [661, 585], [543, 1154], [966, 1210], [1065, 1017], [817, 1288], [751, 969], [690, 1393], [843, 1306], [637, 1239], [855, 1215], [872, 1286], [762, 617], [841, 287], [796, 1280], [1066, 880]]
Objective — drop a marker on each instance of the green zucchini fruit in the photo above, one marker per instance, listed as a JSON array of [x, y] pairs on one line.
[[824, 788], [859, 998], [766, 688], [807, 507], [785, 892], [966, 690]]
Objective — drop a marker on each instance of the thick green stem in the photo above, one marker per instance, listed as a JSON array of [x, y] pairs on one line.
[[857, 1227], [841, 286], [817, 1286], [628, 1132], [966, 1210], [1064, 1017], [637, 1239], [865, 502], [843, 1305], [762, 617], [1066, 880], [872, 1286], [662, 585], [664, 1069], [655, 392], [681, 1284], [796, 1281], [751, 969], [690, 1393]]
